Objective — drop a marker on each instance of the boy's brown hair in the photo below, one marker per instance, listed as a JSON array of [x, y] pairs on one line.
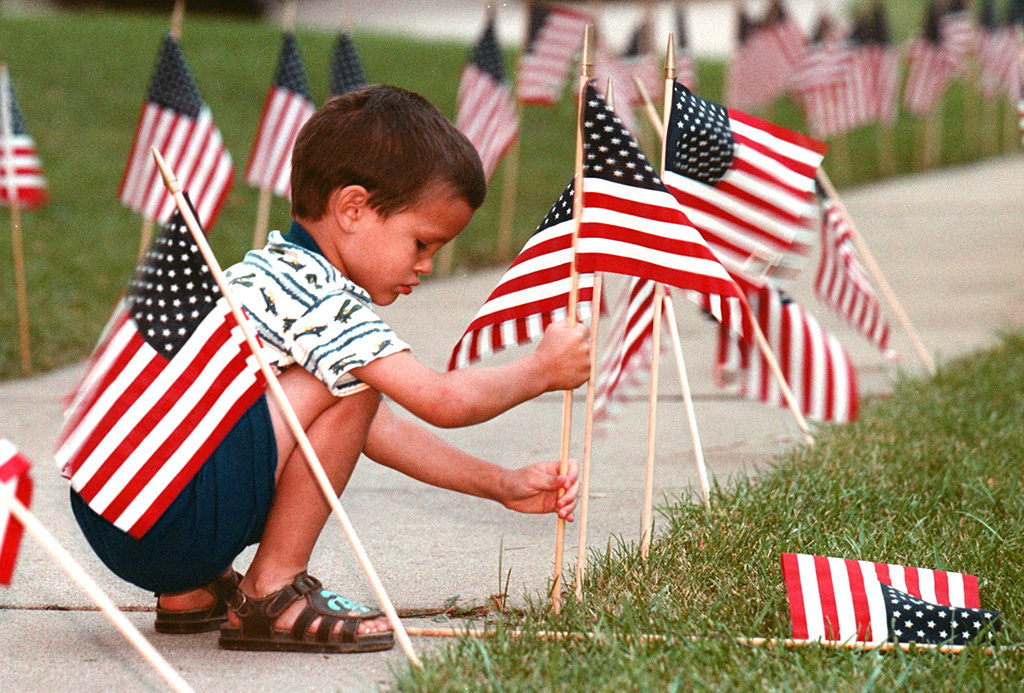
[[392, 142]]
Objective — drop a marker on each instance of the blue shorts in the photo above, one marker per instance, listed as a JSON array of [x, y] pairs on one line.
[[218, 514]]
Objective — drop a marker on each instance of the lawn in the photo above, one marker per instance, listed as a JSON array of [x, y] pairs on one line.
[[929, 477]]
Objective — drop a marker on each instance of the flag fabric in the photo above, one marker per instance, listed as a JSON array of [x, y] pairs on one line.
[[831, 87], [998, 56], [841, 283], [845, 600], [789, 40], [628, 350], [959, 34], [813, 362], [16, 482], [555, 34], [163, 387], [928, 68], [21, 172], [686, 70], [630, 223], [179, 124], [878, 63], [485, 110], [746, 184], [288, 105], [533, 292], [347, 72], [754, 78]]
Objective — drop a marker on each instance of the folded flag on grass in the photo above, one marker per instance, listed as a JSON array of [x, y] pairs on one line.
[[555, 34], [533, 292], [179, 124], [846, 600], [21, 173], [484, 108], [347, 72], [841, 283], [746, 184], [288, 106], [15, 481], [164, 386]]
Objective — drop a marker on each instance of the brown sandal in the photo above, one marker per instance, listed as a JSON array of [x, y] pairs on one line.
[[206, 618], [257, 631]]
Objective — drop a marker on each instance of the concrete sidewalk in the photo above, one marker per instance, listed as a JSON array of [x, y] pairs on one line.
[[949, 242]]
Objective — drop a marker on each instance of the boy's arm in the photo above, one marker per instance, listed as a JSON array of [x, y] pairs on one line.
[[470, 395], [407, 447]]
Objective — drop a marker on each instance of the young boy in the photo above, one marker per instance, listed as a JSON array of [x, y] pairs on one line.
[[380, 181]]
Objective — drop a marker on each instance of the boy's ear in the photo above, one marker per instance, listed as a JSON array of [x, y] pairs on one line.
[[347, 205]]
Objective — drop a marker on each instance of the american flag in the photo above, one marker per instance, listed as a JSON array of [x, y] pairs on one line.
[[175, 120], [346, 70], [686, 71], [959, 35], [998, 56], [628, 349], [14, 480], [878, 62], [832, 89], [789, 40], [636, 60], [928, 68], [841, 283], [484, 108], [21, 172], [847, 600], [163, 387], [746, 184], [533, 292], [814, 364], [754, 77], [630, 222], [555, 34], [288, 106]]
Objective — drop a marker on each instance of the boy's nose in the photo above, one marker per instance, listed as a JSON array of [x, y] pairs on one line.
[[423, 266]]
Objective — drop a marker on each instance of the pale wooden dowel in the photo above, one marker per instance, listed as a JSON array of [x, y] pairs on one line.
[[288, 13], [691, 417], [259, 234], [312, 460], [876, 273], [652, 421], [146, 236], [509, 183], [97, 595], [588, 438], [21, 289], [177, 19], [563, 460]]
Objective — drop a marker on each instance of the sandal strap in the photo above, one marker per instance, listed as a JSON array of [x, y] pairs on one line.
[[257, 615]]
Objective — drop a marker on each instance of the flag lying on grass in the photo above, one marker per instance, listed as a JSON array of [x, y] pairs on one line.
[[533, 292], [816, 367], [746, 184], [555, 34], [164, 386], [21, 173], [15, 481], [841, 283], [484, 109], [859, 601], [175, 120], [346, 70], [928, 68], [288, 106], [631, 224]]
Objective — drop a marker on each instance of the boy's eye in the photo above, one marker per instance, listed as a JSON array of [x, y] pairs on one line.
[[420, 245]]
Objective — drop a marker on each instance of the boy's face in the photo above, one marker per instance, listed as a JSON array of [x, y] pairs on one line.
[[386, 255]]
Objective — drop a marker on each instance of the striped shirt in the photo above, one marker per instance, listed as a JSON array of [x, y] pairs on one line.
[[307, 312]]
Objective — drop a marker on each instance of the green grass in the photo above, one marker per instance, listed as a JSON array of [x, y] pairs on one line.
[[81, 78], [928, 477]]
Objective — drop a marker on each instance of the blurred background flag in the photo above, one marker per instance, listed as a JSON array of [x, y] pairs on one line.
[[959, 34], [21, 172], [686, 71], [163, 388], [176, 121], [998, 55], [928, 67], [847, 600], [485, 110], [15, 481], [878, 62], [554, 35], [288, 105], [347, 71]]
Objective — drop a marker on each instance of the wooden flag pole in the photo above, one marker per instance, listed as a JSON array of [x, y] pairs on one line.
[[876, 272], [20, 285], [588, 437], [97, 595], [510, 179], [312, 460], [177, 19], [259, 234], [652, 421], [762, 343], [586, 65]]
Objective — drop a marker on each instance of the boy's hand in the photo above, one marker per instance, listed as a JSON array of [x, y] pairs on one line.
[[535, 488], [564, 354]]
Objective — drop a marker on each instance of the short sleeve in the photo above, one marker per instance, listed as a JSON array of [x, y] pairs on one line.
[[339, 333]]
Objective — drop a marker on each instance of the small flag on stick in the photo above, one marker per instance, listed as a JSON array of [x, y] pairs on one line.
[[15, 481], [347, 72], [21, 173], [555, 34]]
